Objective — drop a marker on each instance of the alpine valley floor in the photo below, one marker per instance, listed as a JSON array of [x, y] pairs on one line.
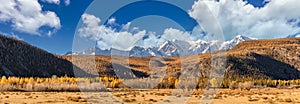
[[223, 96]]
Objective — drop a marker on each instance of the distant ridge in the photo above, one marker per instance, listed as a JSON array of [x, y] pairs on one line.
[[267, 59], [169, 48]]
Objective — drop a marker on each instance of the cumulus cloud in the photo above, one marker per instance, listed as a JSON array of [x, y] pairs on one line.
[[278, 18], [112, 21], [57, 2], [67, 2], [52, 1], [30, 18], [175, 34], [124, 39], [126, 27], [106, 36], [152, 40], [91, 27]]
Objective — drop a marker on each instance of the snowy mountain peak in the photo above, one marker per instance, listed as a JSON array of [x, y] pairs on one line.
[[168, 43], [231, 43], [240, 38], [199, 46], [168, 48], [173, 48]]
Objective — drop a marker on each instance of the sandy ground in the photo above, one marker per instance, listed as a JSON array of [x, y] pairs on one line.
[[223, 96]]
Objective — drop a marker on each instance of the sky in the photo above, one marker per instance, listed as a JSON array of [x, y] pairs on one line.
[[59, 26]]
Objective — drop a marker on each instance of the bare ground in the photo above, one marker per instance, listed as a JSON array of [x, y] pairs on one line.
[[162, 96]]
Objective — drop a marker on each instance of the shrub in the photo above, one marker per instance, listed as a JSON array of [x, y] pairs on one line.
[[245, 85], [233, 85], [213, 82]]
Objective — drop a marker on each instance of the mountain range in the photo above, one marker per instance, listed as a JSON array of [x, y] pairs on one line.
[[168, 48], [267, 59], [259, 59]]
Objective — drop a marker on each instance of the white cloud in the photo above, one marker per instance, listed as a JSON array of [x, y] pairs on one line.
[[57, 2], [125, 39], [105, 36], [126, 27], [278, 18], [152, 40], [52, 1], [67, 2], [237, 17], [112, 21], [27, 16], [175, 34], [198, 33]]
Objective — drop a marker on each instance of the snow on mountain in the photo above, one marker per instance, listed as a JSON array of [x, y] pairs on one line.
[[174, 48], [141, 52], [231, 43], [293, 36], [171, 48], [168, 48], [199, 46]]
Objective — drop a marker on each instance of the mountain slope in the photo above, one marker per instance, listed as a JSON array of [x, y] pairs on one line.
[[23, 60], [104, 66], [274, 59]]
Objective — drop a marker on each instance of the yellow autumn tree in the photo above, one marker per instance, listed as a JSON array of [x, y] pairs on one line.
[[176, 83], [21, 81], [3, 80], [213, 82]]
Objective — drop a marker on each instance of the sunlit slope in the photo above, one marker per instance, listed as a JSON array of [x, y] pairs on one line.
[[274, 59]]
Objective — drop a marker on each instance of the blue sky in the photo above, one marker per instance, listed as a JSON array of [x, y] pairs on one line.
[[52, 24], [61, 41]]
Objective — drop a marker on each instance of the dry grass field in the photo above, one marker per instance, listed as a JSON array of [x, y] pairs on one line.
[[57, 90], [223, 96]]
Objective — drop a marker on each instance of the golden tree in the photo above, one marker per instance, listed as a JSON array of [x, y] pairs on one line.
[[3, 80], [213, 82]]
